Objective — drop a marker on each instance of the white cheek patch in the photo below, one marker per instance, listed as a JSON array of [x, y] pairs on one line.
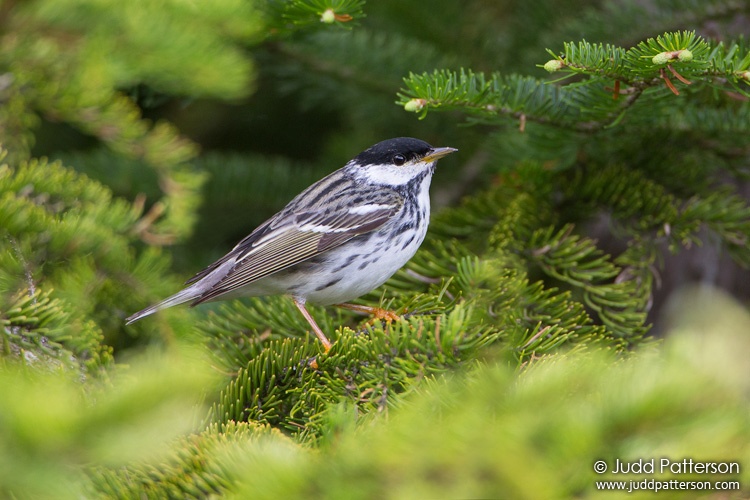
[[389, 174]]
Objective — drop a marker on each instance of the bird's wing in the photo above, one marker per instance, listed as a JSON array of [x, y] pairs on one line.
[[291, 238], [246, 242]]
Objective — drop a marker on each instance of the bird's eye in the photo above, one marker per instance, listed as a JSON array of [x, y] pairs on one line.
[[398, 160]]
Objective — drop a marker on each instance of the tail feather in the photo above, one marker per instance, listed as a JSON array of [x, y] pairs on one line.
[[181, 297]]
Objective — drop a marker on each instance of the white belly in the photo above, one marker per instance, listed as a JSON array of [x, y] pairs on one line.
[[351, 272]]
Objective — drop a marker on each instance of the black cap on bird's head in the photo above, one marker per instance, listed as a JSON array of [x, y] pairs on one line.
[[399, 151]]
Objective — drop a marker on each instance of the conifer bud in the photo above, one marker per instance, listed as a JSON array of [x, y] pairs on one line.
[[684, 55], [415, 105], [554, 65], [745, 75], [328, 16], [661, 58]]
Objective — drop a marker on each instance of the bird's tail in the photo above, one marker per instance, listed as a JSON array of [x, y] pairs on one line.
[[186, 295]]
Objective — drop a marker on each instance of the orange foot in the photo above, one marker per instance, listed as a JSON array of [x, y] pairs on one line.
[[377, 312]]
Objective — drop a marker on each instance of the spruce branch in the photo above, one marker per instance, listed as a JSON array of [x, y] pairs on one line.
[[480, 96], [646, 397], [625, 401], [74, 237], [280, 387], [585, 105], [288, 16], [195, 466], [42, 332], [579, 263], [647, 210]]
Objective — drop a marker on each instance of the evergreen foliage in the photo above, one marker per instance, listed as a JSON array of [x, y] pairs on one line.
[[572, 409], [524, 352], [54, 427]]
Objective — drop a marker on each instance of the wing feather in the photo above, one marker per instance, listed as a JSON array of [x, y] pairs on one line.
[[283, 242], [235, 252]]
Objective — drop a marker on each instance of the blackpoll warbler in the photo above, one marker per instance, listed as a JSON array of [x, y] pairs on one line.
[[340, 238]]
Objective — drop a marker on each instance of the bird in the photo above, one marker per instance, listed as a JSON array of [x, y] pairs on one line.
[[340, 238]]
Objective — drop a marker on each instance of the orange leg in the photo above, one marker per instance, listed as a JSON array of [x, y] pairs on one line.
[[300, 303], [378, 312]]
